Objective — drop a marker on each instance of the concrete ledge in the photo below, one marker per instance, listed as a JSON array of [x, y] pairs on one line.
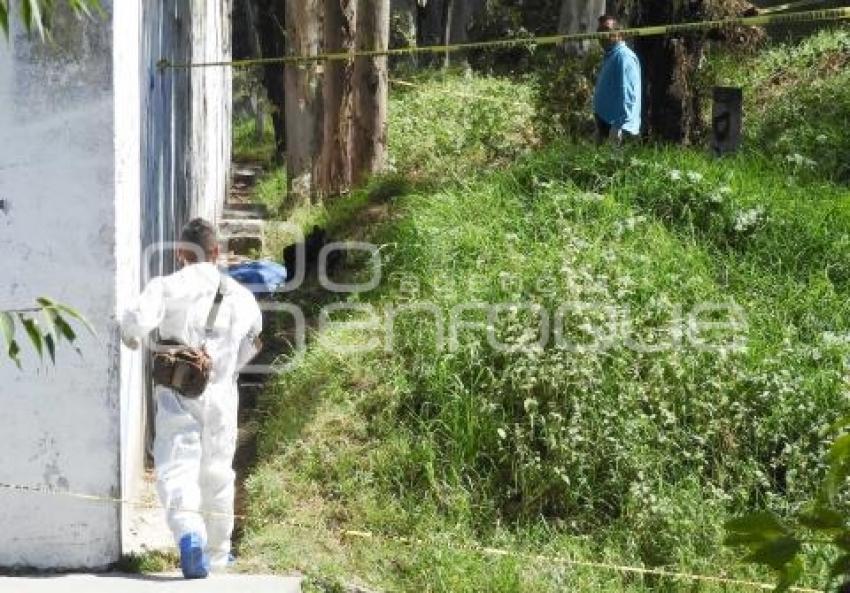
[[246, 211], [242, 236]]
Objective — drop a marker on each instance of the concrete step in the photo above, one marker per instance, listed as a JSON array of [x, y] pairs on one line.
[[246, 173], [156, 583], [245, 211], [242, 235]]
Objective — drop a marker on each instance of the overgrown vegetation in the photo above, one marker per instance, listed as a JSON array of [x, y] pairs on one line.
[[633, 433], [247, 148], [796, 103]]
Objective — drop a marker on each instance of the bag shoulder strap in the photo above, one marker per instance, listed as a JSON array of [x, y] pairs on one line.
[[219, 296]]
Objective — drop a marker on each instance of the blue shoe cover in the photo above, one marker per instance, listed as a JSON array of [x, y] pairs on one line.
[[193, 561]]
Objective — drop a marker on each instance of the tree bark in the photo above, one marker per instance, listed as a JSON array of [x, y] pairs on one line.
[[303, 115], [333, 175], [579, 16], [369, 142], [671, 108]]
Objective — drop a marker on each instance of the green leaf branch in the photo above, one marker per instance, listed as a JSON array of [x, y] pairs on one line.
[[823, 523], [35, 14], [43, 327]]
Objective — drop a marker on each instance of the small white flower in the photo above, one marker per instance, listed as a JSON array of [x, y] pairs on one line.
[[675, 175], [694, 177], [722, 192], [800, 160], [822, 138], [748, 219], [592, 196]]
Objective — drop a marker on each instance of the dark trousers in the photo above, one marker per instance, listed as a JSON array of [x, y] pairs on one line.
[[603, 128]]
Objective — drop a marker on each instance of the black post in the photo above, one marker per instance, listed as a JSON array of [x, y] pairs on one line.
[[726, 120]]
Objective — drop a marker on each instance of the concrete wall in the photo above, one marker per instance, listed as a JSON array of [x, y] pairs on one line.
[[101, 155], [127, 59], [58, 173], [212, 94], [186, 135]]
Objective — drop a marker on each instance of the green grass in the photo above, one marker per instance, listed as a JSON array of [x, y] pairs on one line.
[[796, 104], [271, 189], [245, 144], [449, 126], [148, 562], [612, 455]]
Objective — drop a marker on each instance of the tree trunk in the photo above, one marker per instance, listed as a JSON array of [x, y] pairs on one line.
[[303, 115], [333, 175], [271, 26], [431, 29], [671, 108], [369, 142], [618, 8], [259, 115], [403, 23], [460, 17], [579, 16]]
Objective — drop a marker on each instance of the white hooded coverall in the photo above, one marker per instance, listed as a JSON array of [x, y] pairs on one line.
[[195, 439]]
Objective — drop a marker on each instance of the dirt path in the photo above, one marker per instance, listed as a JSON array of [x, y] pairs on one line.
[[241, 206]]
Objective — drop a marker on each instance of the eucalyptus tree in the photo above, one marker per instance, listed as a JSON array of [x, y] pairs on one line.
[[369, 139]]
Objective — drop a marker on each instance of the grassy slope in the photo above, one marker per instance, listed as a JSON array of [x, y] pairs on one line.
[[796, 102], [614, 456]]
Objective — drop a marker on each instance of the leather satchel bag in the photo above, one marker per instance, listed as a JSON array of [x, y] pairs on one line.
[[183, 368]]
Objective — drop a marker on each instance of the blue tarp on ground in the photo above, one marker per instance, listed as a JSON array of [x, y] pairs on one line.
[[259, 276]]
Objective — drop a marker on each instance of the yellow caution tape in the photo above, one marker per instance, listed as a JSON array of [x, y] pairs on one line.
[[830, 14], [111, 500], [788, 6], [368, 535], [625, 569]]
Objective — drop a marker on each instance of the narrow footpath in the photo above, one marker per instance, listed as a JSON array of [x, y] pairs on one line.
[[242, 227]]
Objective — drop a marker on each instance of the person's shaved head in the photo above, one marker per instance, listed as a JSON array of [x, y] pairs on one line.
[[200, 237]]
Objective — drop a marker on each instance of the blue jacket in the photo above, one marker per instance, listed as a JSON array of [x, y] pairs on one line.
[[617, 99]]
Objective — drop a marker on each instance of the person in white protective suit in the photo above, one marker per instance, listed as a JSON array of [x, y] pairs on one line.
[[195, 439]]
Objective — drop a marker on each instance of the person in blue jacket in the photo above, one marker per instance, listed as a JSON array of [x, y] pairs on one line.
[[617, 99]]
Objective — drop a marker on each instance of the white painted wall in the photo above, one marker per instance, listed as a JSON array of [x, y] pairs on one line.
[[59, 174], [212, 96], [127, 62], [96, 150]]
